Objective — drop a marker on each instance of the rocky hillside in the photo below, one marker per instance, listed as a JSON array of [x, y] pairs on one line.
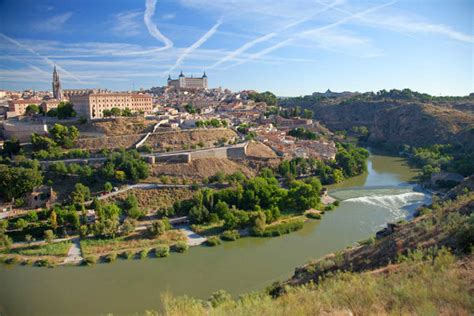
[[446, 224], [394, 123]]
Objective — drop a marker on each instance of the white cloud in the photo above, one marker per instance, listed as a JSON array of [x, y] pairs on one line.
[[152, 28], [54, 23], [168, 16], [127, 23]]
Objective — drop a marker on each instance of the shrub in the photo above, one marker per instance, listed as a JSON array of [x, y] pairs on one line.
[[43, 263], [280, 229], [181, 246], [336, 203], [11, 260], [313, 215], [111, 257], [329, 207], [128, 255], [90, 260], [144, 253], [230, 235], [162, 251], [213, 241]]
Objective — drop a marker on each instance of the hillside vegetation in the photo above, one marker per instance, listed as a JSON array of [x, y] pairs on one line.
[[395, 118], [424, 267]]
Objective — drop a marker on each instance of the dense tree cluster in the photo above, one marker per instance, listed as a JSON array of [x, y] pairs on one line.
[[296, 111], [15, 182], [303, 133], [125, 165], [60, 135], [63, 111], [251, 202], [115, 111], [212, 123], [350, 161], [439, 157], [267, 97]]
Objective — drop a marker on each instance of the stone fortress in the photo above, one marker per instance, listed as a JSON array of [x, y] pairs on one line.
[[183, 82]]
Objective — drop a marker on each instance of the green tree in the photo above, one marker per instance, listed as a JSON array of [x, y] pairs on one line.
[[5, 240], [42, 142], [157, 228], [32, 109], [127, 112], [108, 187], [131, 207], [53, 219], [63, 135], [11, 147], [49, 236], [80, 194], [115, 111], [17, 181], [128, 226], [65, 110]]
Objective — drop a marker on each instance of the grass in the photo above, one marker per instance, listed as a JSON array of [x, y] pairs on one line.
[[209, 229], [59, 249], [230, 235], [281, 228], [125, 244], [438, 286], [213, 241]]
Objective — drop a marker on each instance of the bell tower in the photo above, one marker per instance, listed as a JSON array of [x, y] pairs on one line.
[[57, 93]]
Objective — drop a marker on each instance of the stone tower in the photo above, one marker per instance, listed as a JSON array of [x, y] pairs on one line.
[[57, 93]]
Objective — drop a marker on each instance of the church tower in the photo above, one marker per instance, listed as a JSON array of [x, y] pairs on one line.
[[57, 93]]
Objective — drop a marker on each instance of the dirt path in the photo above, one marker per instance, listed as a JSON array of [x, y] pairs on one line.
[[74, 255]]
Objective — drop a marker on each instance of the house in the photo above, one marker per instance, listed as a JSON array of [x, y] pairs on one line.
[[41, 196]]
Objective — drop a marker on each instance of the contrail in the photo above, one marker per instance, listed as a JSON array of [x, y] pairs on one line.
[[152, 29], [46, 59], [196, 45], [319, 29], [266, 37]]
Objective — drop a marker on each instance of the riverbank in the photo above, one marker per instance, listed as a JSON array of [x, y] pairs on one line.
[[241, 266]]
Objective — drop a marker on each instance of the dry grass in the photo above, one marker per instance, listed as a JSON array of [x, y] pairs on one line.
[[136, 242], [198, 169], [438, 286], [155, 199]]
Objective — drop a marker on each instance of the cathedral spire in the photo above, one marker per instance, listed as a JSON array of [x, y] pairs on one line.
[[57, 93]]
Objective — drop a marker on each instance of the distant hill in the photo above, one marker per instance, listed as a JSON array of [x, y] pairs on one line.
[[397, 117]]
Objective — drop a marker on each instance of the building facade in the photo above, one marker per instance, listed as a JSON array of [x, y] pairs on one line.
[[18, 107], [192, 83], [92, 105]]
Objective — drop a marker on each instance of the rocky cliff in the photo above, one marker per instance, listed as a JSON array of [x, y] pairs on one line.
[[394, 123]]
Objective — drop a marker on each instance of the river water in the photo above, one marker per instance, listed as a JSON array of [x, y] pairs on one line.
[[369, 201]]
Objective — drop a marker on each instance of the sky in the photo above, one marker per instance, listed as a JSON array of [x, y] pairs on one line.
[[289, 47]]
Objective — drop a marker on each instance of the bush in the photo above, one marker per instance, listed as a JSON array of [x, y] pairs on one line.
[[329, 207], [128, 255], [11, 260], [181, 246], [313, 215], [144, 253], [43, 263], [230, 235], [162, 251], [111, 257], [90, 260], [280, 229], [213, 241]]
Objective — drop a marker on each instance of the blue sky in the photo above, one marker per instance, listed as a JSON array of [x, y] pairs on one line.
[[290, 47]]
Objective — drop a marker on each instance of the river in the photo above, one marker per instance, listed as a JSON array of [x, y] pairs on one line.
[[369, 201]]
